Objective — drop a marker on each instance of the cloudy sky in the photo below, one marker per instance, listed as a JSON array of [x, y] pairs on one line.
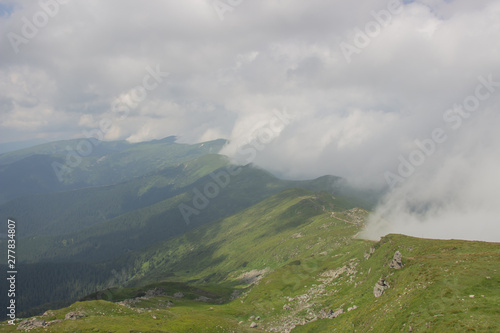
[[314, 87]]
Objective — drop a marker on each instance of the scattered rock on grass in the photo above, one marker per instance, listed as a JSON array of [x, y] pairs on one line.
[[396, 261], [380, 287], [330, 314], [74, 315], [31, 323]]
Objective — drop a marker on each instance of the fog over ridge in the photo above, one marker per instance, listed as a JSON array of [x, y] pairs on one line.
[[273, 75]]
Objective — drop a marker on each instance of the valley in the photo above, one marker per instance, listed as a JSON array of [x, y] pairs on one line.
[[264, 255]]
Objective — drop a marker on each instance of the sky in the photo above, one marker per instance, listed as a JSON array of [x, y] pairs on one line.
[[404, 95]]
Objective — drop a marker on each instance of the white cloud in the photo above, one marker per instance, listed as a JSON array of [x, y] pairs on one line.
[[352, 120]]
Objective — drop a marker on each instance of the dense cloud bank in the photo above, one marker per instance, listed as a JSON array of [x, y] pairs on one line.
[[381, 92]]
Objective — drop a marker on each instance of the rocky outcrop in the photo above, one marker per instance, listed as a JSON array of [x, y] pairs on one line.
[[203, 299], [253, 276], [396, 262], [74, 315], [155, 292], [368, 254], [31, 323], [330, 314], [380, 287]]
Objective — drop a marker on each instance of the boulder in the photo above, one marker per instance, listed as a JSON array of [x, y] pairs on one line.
[[74, 315], [380, 287], [31, 323], [155, 292], [330, 314], [337, 313], [396, 261]]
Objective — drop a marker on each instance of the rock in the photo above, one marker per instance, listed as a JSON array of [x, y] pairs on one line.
[[368, 254], [354, 307], [325, 314], [471, 296], [257, 318], [253, 276], [253, 325], [155, 292], [396, 261], [178, 295], [330, 314], [31, 323], [74, 315], [337, 313], [48, 313], [380, 287]]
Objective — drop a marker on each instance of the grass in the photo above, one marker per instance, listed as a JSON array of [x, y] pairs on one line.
[[305, 247]]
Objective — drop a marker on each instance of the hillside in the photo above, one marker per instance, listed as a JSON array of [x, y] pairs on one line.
[[293, 263], [88, 226], [57, 166], [70, 211]]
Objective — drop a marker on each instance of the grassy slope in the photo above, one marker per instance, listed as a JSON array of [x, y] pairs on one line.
[[295, 236], [143, 226], [30, 171], [69, 211], [236, 244]]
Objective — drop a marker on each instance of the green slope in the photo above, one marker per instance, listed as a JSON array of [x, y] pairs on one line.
[[30, 171], [225, 248], [70, 211], [289, 260], [107, 222]]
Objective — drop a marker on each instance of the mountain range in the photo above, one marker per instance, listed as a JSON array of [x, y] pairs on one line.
[[167, 237]]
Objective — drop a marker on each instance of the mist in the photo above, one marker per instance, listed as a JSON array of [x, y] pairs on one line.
[[300, 88]]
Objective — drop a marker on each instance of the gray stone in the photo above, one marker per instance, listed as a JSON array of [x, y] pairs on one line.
[[155, 292], [337, 313], [380, 287], [330, 314], [31, 323], [74, 315], [396, 261]]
